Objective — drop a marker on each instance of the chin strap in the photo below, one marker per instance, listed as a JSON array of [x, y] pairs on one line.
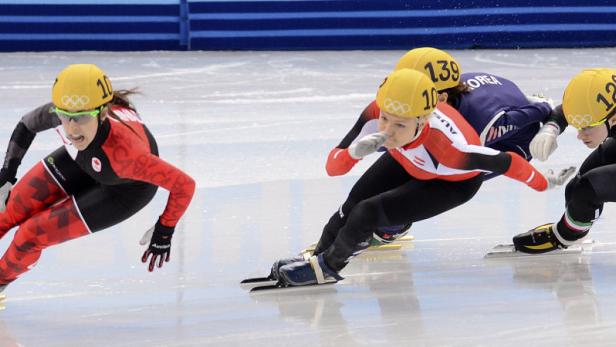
[[611, 131], [418, 129]]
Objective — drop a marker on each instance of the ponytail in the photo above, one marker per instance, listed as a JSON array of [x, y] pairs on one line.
[[120, 98]]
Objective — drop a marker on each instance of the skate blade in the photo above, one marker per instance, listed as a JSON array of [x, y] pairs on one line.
[[508, 251], [384, 247], [310, 249], [276, 288], [251, 283]]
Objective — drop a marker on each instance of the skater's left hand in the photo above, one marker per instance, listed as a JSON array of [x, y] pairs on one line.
[[544, 143], [539, 97], [6, 184], [159, 237], [555, 180]]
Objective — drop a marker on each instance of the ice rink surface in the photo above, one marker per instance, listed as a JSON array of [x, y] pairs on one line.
[[254, 129]]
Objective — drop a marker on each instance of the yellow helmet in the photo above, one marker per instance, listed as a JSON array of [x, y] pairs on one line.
[[407, 93], [590, 98], [441, 67], [81, 87]]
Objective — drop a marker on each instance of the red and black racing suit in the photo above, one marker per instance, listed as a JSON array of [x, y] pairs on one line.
[[73, 193]]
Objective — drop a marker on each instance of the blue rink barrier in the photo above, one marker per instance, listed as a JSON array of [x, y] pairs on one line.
[[31, 25], [87, 26]]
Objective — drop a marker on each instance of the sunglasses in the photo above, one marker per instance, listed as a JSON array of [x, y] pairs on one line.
[[597, 123], [602, 121], [80, 117]]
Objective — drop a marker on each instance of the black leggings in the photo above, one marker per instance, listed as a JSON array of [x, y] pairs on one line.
[[386, 195], [100, 206], [586, 193]]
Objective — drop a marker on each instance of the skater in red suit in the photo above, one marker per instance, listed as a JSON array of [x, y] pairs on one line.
[[433, 163], [498, 111], [107, 169]]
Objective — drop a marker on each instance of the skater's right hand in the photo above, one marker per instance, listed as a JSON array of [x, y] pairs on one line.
[[558, 179], [159, 237], [6, 184], [544, 143], [539, 97], [367, 145]]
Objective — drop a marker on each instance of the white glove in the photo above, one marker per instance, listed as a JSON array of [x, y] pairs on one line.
[[367, 145], [145, 239], [555, 180], [540, 98], [5, 190], [544, 143]]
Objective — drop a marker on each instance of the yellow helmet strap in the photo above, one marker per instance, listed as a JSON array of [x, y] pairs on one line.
[[421, 124]]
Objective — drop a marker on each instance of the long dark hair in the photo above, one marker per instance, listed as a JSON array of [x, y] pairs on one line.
[[454, 93], [120, 98]]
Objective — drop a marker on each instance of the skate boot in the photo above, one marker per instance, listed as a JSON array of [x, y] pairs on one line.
[[307, 272], [385, 235], [541, 239], [274, 273]]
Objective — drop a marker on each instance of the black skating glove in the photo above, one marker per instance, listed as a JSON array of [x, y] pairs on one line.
[[159, 237]]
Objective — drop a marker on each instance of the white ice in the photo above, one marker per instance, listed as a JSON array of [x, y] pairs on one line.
[[254, 130]]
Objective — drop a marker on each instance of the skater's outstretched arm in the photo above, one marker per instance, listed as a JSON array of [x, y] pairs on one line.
[[139, 164], [39, 119], [473, 157]]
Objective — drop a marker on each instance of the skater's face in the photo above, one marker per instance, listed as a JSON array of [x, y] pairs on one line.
[[595, 135], [81, 129], [400, 131]]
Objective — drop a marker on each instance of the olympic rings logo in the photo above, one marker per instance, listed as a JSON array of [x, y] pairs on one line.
[[396, 107], [580, 120], [75, 101]]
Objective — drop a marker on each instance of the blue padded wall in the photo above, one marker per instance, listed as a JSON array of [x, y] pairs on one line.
[[396, 24], [40, 25], [75, 27]]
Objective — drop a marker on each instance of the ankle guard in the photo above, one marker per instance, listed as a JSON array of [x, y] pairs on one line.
[[322, 272]]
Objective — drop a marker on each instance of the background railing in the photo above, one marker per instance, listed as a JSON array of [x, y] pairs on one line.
[[37, 25]]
